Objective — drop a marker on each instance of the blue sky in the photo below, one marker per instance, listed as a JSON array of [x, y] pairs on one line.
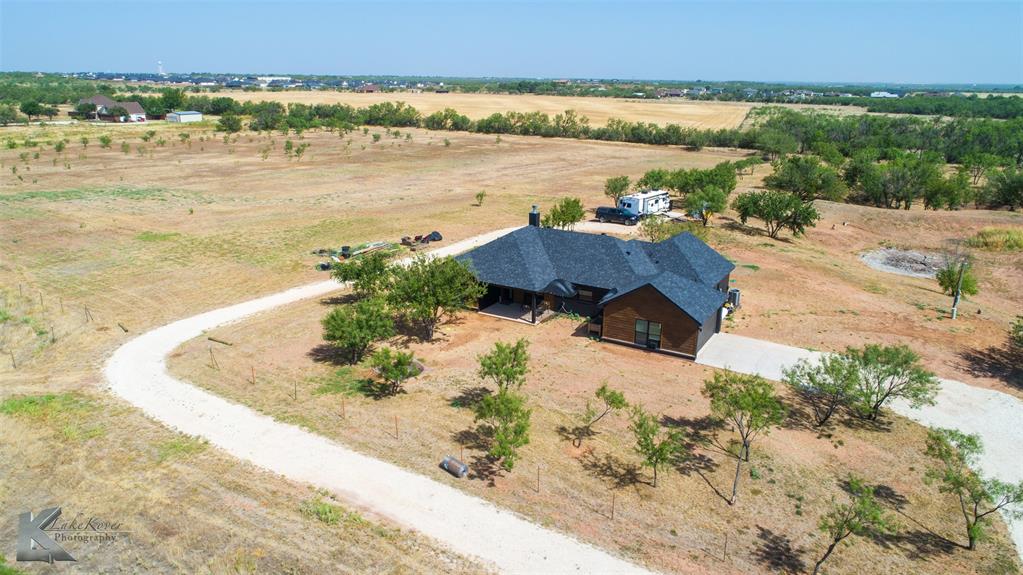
[[824, 41]]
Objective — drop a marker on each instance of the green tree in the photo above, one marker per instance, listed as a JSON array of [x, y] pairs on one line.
[[616, 187], [776, 143], [506, 421], [118, 112], [948, 278], [369, 274], [105, 141], [778, 211], [229, 123], [354, 328], [1005, 188], [707, 202], [886, 373], [957, 454], [656, 447], [978, 164], [506, 365], [31, 108], [84, 141], [656, 179], [807, 178], [50, 111], [480, 196], [394, 367], [86, 110], [826, 385], [8, 115], [565, 214], [657, 229], [1016, 333], [750, 405], [429, 289], [862, 516], [611, 401]]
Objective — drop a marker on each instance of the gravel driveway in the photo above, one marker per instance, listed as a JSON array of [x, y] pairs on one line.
[[137, 372], [996, 417]]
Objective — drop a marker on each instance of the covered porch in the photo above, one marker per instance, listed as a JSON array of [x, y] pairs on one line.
[[524, 313]]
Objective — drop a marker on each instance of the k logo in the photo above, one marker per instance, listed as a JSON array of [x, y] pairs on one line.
[[33, 543]]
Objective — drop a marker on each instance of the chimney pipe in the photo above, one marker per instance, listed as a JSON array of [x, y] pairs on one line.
[[534, 216]]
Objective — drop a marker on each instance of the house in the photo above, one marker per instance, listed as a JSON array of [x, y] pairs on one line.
[[184, 117], [104, 105], [666, 296], [883, 94], [367, 89]]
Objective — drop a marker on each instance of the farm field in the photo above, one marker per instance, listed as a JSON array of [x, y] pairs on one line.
[[155, 232], [687, 113]]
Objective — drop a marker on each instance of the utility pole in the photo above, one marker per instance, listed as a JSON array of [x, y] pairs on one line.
[[959, 289]]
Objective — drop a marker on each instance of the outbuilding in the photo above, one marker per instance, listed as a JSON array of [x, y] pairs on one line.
[[184, 117]]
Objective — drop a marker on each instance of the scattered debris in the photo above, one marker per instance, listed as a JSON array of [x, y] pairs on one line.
[[454, 467], [903, 262]]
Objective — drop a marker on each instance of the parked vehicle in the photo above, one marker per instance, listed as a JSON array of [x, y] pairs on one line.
[[646, 203], [616, 215]]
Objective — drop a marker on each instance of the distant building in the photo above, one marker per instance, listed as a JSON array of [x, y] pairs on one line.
[[882, 94], [184, 117], [367, 89], [105, 105]]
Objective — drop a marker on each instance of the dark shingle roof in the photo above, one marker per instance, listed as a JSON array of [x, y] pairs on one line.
[[683, 268]]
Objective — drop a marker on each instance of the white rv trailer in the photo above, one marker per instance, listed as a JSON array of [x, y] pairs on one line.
[[646, 203]]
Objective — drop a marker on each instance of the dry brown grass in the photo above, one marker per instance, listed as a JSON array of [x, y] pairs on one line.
[[142, 240], [707, 115], [680, 526], [146, 239]]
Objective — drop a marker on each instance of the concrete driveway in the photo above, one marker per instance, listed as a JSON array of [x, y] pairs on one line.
[[992, 415]]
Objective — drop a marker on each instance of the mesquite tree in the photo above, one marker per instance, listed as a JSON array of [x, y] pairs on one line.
[[890, 372], [657, 448], [862, 516], [825, 386], [957, 454], [749, 403]]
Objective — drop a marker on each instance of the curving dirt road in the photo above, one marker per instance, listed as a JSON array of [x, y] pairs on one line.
[[137, 372]]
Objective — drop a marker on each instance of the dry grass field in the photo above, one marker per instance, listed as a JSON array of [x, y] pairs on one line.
[[706, 115], [156, 232], [144, 238]]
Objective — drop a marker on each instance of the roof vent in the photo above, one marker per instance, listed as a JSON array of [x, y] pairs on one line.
[[534, 216]]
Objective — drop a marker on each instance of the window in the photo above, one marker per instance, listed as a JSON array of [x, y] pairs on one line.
[[585, 295], [648, 334]]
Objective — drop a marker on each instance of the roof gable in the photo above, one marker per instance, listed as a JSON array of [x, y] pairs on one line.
[[682, 268]]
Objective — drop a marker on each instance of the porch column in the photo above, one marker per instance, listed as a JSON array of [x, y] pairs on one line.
[[533, 308]]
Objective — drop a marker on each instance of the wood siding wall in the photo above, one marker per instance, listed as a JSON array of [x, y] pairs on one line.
[[679, 333]]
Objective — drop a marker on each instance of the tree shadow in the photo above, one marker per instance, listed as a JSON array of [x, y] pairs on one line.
[[340, 299], [698, 430], [916, 543], [575, 434], [775, 551], [327, 353], [853, 421], [468, 397], [482, 467], [617, 472], [1000, 363]]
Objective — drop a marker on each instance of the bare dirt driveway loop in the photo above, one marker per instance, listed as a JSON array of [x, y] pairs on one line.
[[137, 372], [992, 415]]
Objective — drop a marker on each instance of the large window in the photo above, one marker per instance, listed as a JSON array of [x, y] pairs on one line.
[[648, 333]]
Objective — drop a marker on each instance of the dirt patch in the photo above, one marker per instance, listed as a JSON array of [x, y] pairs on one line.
[[904, 262]]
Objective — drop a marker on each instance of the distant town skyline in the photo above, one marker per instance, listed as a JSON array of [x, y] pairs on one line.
[[865, 42]]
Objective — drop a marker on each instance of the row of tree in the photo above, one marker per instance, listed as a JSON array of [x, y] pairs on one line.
[[776, 130]]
